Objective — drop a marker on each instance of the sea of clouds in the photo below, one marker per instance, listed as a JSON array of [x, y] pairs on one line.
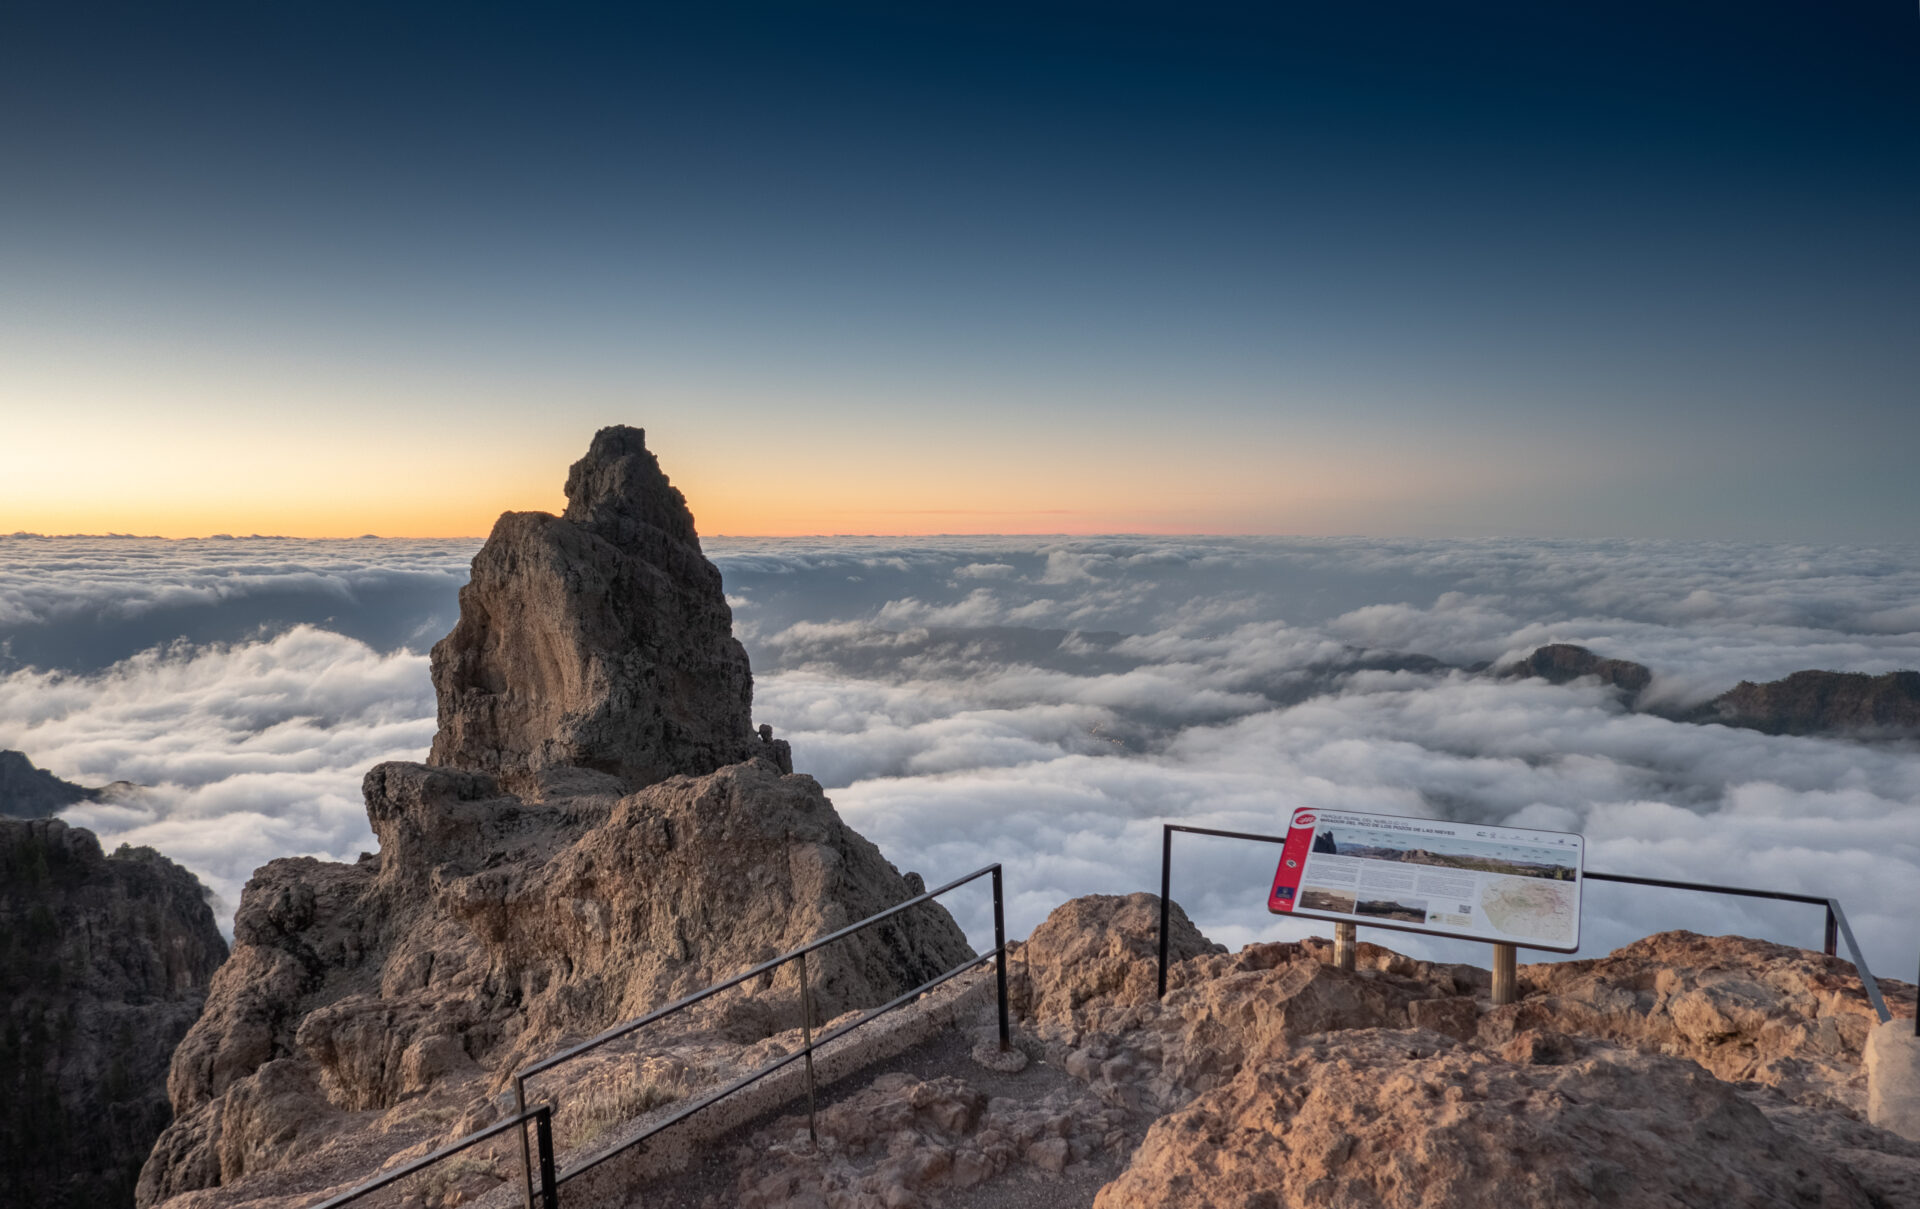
[[1049, 703]]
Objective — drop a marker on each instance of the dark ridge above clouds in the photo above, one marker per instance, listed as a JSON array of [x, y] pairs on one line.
[[27, 792]]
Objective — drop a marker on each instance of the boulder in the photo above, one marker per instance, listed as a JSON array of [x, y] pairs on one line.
[[1101, 952]]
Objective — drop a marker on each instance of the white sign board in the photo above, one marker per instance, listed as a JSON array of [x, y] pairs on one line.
[[1510, 885]]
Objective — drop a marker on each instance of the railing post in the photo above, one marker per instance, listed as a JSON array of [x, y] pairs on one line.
[[1838, 914], [1000, 952], [806, 1039], [520, 1110], [1833, 933], [1166, 878], [543, 1128]]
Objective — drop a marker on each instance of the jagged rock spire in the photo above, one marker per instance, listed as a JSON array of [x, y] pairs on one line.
[[598, 639]]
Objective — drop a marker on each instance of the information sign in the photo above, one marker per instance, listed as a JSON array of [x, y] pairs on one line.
[[1509, 885]]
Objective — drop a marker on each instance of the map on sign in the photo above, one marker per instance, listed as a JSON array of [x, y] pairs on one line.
[[1511, 885]]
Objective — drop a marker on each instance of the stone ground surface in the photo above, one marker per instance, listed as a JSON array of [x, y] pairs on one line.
[[931, 1126], [1268, 1079]]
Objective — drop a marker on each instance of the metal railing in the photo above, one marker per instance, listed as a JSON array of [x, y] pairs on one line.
[[1837, 926], [809, 1043], [541, 1119]]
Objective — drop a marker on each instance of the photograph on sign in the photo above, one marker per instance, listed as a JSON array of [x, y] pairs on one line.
[[1510, 885]]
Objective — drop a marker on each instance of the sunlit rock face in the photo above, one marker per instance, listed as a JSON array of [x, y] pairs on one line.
[[598, 639]]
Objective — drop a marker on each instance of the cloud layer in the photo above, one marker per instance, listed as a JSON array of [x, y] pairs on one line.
[[1050, 704]]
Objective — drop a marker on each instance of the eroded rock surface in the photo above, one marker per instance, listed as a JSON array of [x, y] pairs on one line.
[[1746, 1010], [1269, 1079], [598, 832], [1414, 1120], [600, 638], [104, 963], [491, 929]]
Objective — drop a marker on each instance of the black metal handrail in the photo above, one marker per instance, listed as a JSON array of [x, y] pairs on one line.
[[542, 1120], [1837, 925], [809, 1044]]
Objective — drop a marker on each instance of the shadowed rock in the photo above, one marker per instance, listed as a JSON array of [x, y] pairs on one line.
[[104, 962], [1812, 702], [1562, 663], [27, 792]]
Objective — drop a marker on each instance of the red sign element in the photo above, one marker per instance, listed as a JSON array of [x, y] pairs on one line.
[[1293, 860]]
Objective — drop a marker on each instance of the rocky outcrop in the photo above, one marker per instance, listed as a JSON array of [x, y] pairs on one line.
[[104, 963], [27, 792], [1100, 953], [1813, 703], [597, 832], [1415, 1120], [1562, 663], [491, 930], [1746, 1010], [1278, 1079], [598, 639]]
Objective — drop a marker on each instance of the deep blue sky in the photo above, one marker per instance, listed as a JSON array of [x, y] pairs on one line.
[[1630, 269]]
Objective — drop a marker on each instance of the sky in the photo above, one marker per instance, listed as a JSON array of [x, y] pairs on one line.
[[1051, 702], [1626, 271]]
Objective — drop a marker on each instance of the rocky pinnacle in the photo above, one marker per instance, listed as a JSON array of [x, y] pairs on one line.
[[597, 639]]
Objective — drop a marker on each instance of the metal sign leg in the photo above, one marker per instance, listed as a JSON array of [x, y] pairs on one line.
[[1346, 944], [1505, 975]]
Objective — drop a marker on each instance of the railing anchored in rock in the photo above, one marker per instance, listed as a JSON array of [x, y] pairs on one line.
[[1837, 926], [537, 1159]]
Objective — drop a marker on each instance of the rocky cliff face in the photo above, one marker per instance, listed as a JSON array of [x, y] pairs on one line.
[[104, 963], [1810, 703], [597, 639], [598, 832]]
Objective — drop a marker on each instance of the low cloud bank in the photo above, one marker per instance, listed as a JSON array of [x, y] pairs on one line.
[[85, 603], [247, 752], [1049, 704]]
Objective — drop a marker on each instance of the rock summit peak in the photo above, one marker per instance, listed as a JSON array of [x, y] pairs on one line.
[[598, 639]]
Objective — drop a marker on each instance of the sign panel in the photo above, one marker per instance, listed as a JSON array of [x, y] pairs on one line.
[[1510, 885]]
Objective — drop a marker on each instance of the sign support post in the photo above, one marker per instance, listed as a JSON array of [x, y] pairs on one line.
[[1346, 939], [1504, 989]]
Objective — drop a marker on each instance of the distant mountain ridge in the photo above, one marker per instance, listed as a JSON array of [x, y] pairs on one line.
[[27, 792], [1812, 702]]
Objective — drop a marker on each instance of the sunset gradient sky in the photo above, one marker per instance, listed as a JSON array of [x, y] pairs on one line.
[[328, 269]]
